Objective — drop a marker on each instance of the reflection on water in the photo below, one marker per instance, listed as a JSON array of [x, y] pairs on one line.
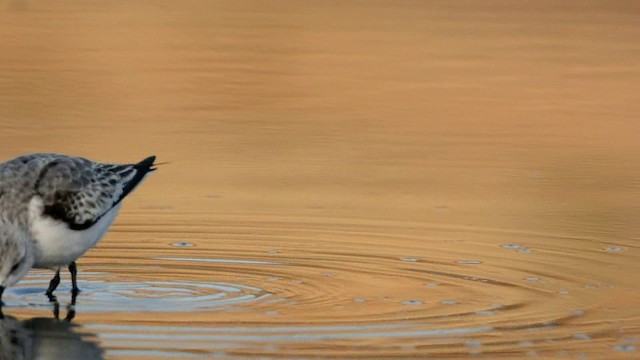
[[102, 293], [398, 287], [345, 178], [45, 338]]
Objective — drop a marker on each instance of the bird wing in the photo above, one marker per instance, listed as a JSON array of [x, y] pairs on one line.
[[79, 192]]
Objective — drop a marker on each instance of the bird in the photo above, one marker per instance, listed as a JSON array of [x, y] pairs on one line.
[[54, 208]]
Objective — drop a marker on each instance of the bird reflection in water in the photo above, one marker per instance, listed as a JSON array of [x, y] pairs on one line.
[[45, 338]]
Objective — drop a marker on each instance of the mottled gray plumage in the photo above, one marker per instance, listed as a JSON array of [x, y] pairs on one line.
[[55, 207], [73, 189]]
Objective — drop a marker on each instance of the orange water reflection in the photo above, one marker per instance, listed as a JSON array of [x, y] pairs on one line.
[[448, 177]]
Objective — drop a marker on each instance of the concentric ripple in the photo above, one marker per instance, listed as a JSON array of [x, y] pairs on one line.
[[309, 286], [111, 295]]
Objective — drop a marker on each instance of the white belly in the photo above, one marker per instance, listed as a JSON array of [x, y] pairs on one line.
[[57, 245]]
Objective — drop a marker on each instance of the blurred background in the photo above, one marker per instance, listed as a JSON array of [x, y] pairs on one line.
[[479, 117], [359, 108]]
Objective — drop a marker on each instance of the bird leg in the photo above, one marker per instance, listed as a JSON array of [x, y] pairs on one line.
[[71, 311], [56, 310], [73, 269], [53, 284], [1, 303], [71, 308]]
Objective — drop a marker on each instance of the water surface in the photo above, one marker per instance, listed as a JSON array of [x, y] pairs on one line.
[[346, 178]]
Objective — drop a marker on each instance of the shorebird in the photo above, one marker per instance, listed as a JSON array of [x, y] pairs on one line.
[[53, 208]]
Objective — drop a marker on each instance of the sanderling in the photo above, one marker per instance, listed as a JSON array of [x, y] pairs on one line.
[[53, 208]]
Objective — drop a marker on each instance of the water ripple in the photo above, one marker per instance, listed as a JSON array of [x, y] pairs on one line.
[[156, 296], [308, 283]]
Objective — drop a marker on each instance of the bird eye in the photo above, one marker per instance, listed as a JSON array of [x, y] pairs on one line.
[[15, 267]]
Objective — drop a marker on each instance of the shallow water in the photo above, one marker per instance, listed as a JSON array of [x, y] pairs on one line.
[[345, 179]]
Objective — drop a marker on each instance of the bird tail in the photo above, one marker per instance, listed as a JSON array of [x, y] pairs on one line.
[[142, 169]]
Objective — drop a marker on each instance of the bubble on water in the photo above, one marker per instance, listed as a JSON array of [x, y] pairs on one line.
[[449, 302], [591, 286], [474, 346], [581, 336], [613, 248], [431, 284], [412, 302], [496, 306], [359, 300], [485, 312], [272, 312], [510, 246], [525, 343], [579, 312], [563, 292], [473, 343], [519, 248], [547, 325], [532, 279], [181, 244], [273, 251], [469, 262], [410, 259], [328, 274], [273, 278], [625, 348], [298, 282]]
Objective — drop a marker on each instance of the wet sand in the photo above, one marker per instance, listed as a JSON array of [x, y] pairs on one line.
[[345, 179]]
